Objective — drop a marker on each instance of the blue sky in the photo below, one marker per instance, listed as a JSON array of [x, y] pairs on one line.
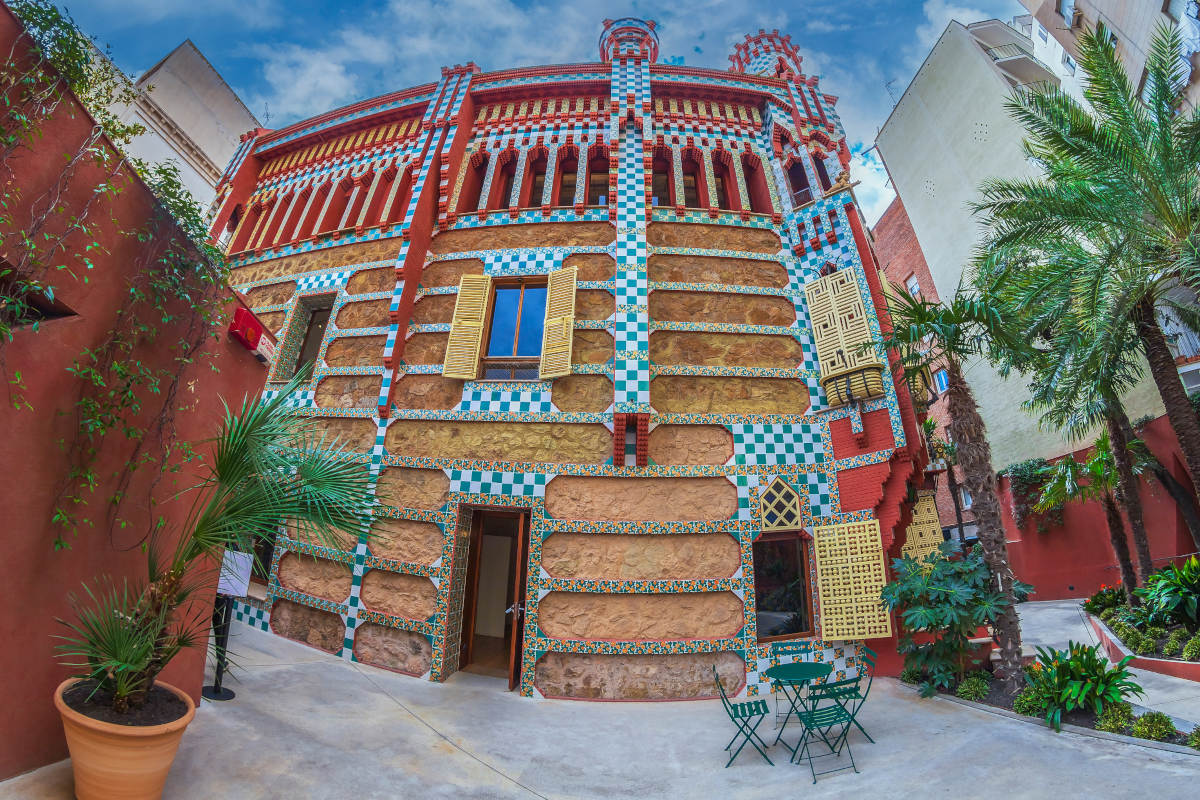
[[291, 59]]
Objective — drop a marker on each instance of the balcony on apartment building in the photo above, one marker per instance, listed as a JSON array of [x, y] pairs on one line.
[[1183, 341], [1012, 51]]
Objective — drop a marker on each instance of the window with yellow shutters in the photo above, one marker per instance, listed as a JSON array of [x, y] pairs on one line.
[[560, 324], [466, 328], [850, 576], [840, 330]]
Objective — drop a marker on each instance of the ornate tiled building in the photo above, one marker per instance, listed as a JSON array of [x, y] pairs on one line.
[[597, 330]]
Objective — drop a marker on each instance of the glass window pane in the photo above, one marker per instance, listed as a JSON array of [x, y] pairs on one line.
[[311, 345], [504, 321], [535, 193], [533, 314], [780, 588]]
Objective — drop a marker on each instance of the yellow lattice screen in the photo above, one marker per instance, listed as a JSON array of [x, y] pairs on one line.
[[780, 505], [560, 323], [850, 576], [840, 328], [924, 534], [466, 328]]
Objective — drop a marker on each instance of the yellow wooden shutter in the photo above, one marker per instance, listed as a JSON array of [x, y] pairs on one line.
[[560, 324], [924, 534], [850, 576], [466, 329]]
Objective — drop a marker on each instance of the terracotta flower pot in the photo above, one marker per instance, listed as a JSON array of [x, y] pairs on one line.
[[120, 761]]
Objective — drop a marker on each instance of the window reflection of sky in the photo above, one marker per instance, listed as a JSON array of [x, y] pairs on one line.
[[504, 321]]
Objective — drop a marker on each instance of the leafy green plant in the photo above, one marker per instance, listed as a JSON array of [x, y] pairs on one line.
[[1026, 480], [1078, 677], [1175, 642], [947, 599], [1174, 593], [1154, 725], [1030, 703], [1106, 597], [1191, 650], [910, 675], [269, 467], [1115, 718], [1193, 739], [973, 688]]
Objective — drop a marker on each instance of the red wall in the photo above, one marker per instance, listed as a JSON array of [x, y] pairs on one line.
[[1073, 559], [36, 579]]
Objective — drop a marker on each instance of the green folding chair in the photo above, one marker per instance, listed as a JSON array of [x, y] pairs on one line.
[[854, 696], [747, 716], [823, 721]]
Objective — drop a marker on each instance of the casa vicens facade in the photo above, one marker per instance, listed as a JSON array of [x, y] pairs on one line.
[[597, 328]]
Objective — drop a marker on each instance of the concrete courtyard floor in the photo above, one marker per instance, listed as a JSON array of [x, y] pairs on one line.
[[1052, 623], [307, 725]]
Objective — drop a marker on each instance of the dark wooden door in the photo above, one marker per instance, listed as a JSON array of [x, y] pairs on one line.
[[517, 640]]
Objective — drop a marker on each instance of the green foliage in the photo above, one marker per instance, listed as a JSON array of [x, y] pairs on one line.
[[1193, 739], [1173, 593], [1191, 650], [948, 599], [1105, 598], [1026, 480], [1115, 718], [1156, 632], [973, 688], [269, 468], [1078, 677], [1175, 642], [910, 675], [1154, 725], [1030, 703]]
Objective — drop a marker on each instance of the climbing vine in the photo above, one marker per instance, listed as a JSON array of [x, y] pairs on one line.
[[1025, 481], [126, 386]]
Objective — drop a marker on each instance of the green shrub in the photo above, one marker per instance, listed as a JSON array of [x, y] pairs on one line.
[[973, 688], [1108, 615], [913, 675], [1029, 703], [984, 674], [1191, 650], [1153, 725], [1156, 632], [948, 599], [1174, 593], [1107, 597], [1078, 677], [1175, 642], [1115, 718], [1145, 646], [1193, 739]]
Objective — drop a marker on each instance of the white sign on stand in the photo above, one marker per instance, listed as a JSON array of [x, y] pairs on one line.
[[235, 573]]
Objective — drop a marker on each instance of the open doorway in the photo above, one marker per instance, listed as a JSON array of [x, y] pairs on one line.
[[494, 606]]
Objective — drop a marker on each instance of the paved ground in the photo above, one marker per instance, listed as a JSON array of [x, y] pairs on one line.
[[1053, 623], [306, 725]]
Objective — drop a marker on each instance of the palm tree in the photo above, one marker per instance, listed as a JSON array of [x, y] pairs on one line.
[[1128, 167], [270, 466], [1044, 294], [920, 333], [1095, 479]]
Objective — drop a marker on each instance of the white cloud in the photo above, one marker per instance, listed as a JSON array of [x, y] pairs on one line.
[[874, 192]]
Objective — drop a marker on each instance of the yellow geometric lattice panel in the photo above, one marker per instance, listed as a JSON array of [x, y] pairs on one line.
[[780, 506], [559, 329], [850, 576], [924, 533], [840, 329]]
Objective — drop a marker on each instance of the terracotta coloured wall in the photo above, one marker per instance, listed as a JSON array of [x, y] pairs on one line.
[[36, 578]]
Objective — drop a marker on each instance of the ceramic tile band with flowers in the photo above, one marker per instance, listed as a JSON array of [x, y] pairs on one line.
[[268, 465]]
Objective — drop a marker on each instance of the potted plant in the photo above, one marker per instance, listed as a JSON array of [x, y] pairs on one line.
[[269, 466]]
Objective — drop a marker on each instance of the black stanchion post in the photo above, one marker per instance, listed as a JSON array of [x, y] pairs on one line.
[[222, 617]]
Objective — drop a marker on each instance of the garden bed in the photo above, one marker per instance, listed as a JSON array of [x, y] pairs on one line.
[[1158, 662]]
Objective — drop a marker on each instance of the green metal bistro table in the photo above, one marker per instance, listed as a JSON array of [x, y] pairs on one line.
[[791, 679]]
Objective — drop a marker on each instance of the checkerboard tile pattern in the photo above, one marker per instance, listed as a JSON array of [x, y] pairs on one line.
[[767, 445], [253, 616], [508, 484], [841, 655], [479, 396], [301, 398], [323, 280], [820, 493]]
